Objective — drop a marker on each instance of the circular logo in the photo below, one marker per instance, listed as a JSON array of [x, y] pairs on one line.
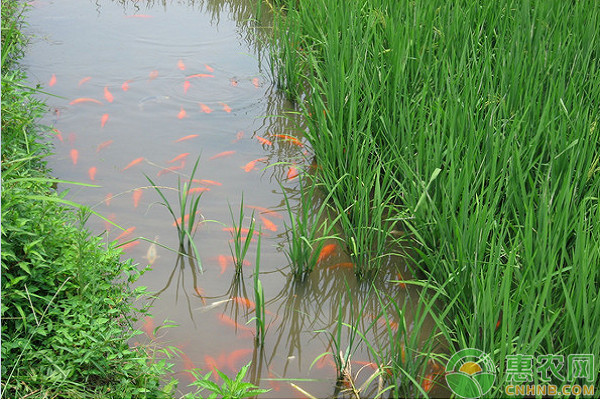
[[470, 373]]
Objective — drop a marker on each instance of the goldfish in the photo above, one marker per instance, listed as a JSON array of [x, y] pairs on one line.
[[264, 141], [188, 365], [84, 80], [134, 162], [209, 68], [129, 245], [291, 139], [151, 254], [245, 262], [148, 327], [244, 302], [108, 198], [244, 231], [182, 114], [181, 65], [186, 138], [125, 85], [74, 156], [92, 173], [186, 217], [428, 383], [186, 86], [198, 190], [222, 263], [255, 82], [52, 80], [85, 100], [212, 365], [205, 108], [179, 157], [326, 252], [266, 211], [103, 120], [235, 355], [233, 82], [126, 233], [401, 284], [103, 145], [225, 107], [200, 76], [137, 195], [58, 134], [108, 95], [223, 154], [268, 224], [152, 75], [171, 169], [107, 224], [342, 265], [252, 164], [292, 173], [228, 321], [238, 136], [207, 182]]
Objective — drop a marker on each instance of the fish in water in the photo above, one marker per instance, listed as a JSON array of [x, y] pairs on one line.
[[170, 169], [213, 366], [256, 82], [108, 198], [205, 108], [181, 65], [244, 302], [326, 252], [292, 173], [74, 156], [92, 173], [134, 162], [268, 224], [137, 195], [108, 95], [252, 164], [238, 136], [58, 134], [182, 114], [179, 157], [152, 75], [264, 141], [151, 254], [228, 321], [85, 100], [209, 68], [126, 233], [200, 76], [233, 82], [186, 217], [223, 263], [291, 139], [225, 107], [223, 154], [125, 85], [103, 120], [198, 190], [186, 86], [235, 356], [52, 80], [148, 327], [103, 145], [84, 80], [213, 305], [188, 137], [129, 245], [207, 182]]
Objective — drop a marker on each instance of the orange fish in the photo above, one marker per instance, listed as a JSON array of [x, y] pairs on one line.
[[428, 383], [266, 211], [200, 76], [134, 162], [252, 164], [235, 355], [108, 225], [292, 173], [198, 190], [92, 173], [125, 85], [171, 169], [103, 120], [207, 182], [225, 107], [264, 141], [186, 138], [52, 80], [326, 252], [188, 365], [108, 95], [74, 156], [84, 100], [223, 154], [103, 145], [244, 231], [153, 75], [222, 263], [342, 265], [181, 65], [228, 321], [255, 82], [212, 365], [186, 217], [182, 114], [244, 302], [233, 82], [84, 80], [268, 224], [401, 284], [186, 86], [245, 262], [205, 108], [209, 68], [148, 327], [137, 195], [58, 134], [291, 139], [108, 198], [126, 233], [179, 157], [238, 136]]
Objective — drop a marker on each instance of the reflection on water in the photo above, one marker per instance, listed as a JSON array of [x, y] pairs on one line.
[[144, 89]]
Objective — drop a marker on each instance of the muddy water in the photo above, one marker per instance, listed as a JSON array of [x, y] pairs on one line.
[[156, 81]]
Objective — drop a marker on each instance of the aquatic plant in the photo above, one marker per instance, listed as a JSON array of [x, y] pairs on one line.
[[259, 298], [239, 249], [230, 389]]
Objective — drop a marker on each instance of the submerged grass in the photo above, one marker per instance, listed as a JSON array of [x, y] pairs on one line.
[[480, 139]]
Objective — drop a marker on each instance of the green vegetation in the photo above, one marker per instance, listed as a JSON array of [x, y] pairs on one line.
[[259, 298], [231, 388], [239, 249], [473, 126]]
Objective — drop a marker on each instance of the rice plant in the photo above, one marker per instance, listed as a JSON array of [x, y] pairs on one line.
[[240, 248], [259, 298]]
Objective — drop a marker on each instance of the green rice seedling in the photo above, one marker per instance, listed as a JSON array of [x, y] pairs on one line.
[[259, 298], [239, 249], [308, 230]]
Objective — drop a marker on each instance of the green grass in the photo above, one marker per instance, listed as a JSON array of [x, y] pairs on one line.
[[240, 248], [478, 138]]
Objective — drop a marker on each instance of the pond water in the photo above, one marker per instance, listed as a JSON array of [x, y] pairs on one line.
[[145, 88]]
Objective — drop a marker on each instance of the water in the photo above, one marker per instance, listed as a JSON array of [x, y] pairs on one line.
[[135, 59]]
